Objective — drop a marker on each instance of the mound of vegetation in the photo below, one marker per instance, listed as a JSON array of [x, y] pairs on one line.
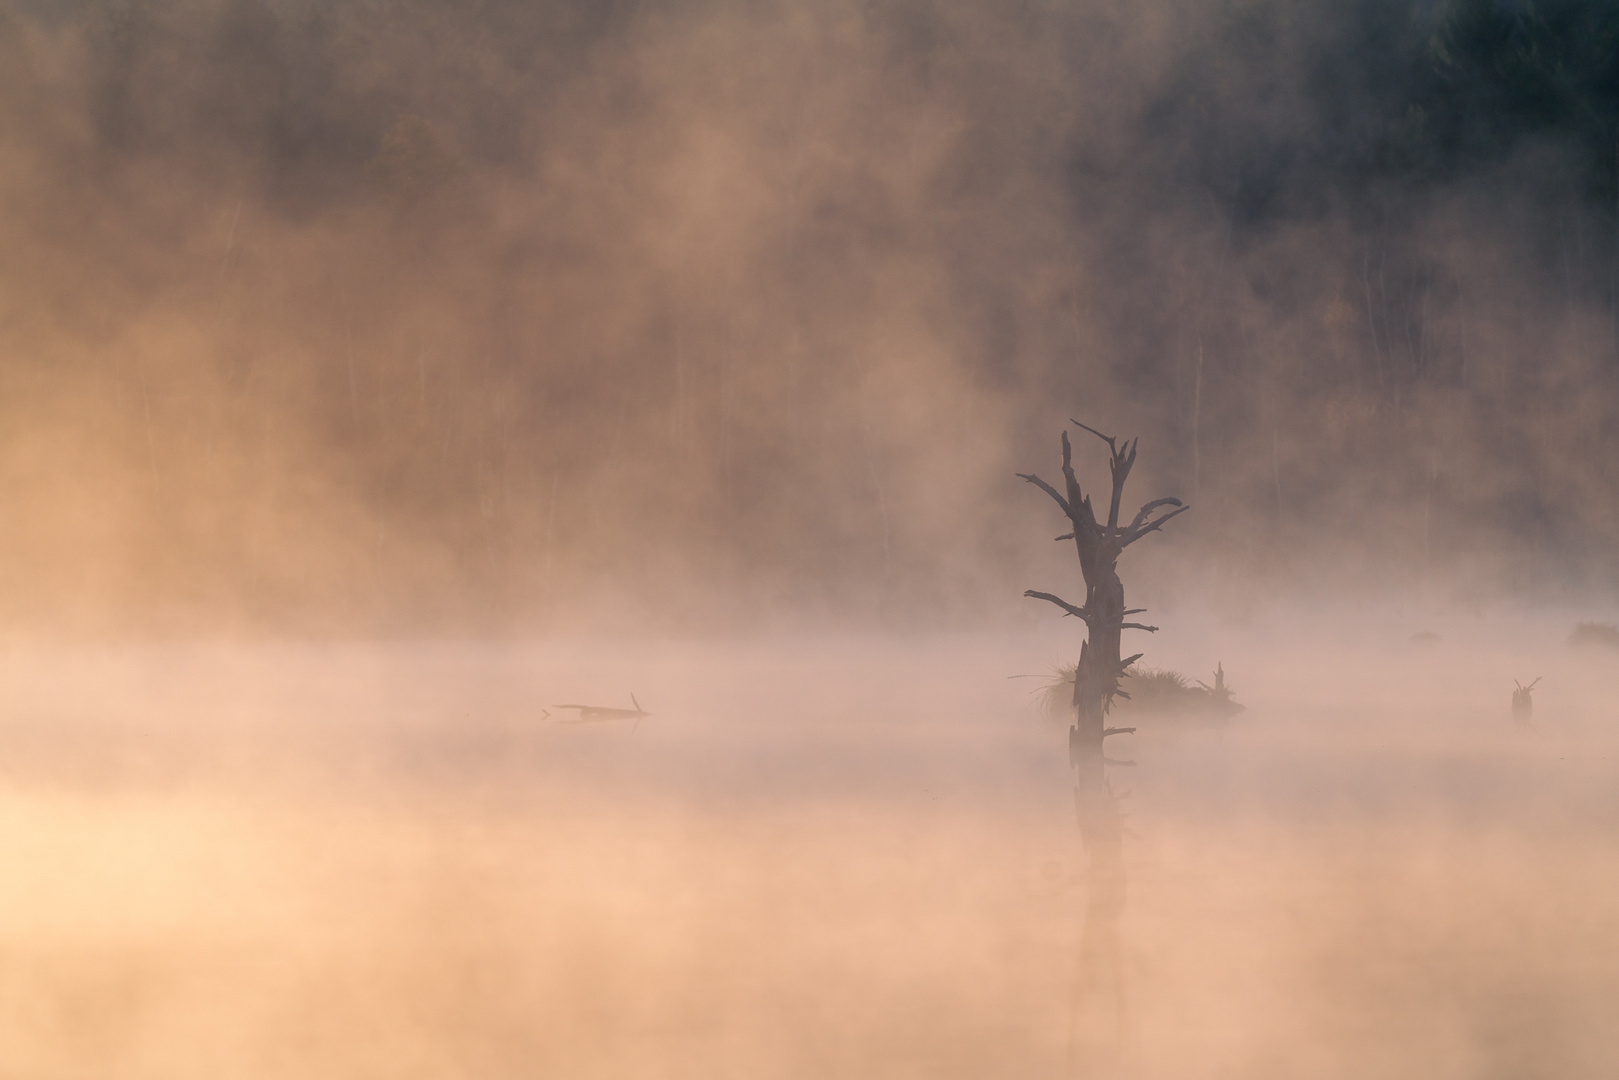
[[1594, 635], [1156, 691]]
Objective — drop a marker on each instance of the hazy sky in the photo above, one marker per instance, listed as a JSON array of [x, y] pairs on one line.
[[361, 315]]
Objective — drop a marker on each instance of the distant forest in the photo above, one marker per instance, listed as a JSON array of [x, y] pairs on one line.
[[367, 314]]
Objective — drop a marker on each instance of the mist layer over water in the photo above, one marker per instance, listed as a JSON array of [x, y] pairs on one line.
[[817, 857]]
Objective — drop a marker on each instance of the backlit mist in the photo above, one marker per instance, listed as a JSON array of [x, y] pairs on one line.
[[390, 389]]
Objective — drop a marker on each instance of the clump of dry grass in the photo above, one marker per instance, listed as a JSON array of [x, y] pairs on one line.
[[1155, 690], [1159, 689], [1057, 696]]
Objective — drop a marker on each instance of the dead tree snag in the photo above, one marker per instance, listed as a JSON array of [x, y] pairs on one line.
[[1096, 677], [1099, 544]]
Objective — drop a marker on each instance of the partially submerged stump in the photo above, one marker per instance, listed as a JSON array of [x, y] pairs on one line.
[[1523, 706], [1219, 695]]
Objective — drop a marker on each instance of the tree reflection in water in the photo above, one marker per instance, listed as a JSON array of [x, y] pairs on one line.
[[1098, 1025]]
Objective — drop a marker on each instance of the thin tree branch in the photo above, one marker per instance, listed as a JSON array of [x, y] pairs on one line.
[[1049, 490], [1065, 605], [1138, 626], [1111, 445], [1118, 731]]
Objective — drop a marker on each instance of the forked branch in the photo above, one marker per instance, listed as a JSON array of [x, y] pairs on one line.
[[1142, 514], [1119, 464], [1132, 536]]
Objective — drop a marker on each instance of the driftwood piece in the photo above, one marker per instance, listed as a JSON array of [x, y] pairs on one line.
[[595, 714]]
